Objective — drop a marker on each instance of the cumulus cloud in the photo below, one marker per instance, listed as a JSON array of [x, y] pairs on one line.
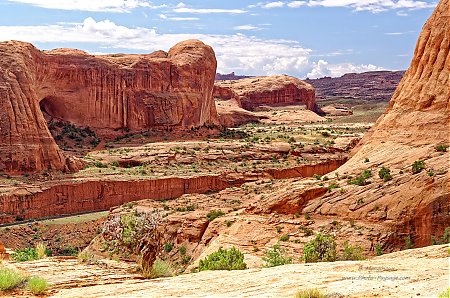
[[323, 69], [90, 5], [238, 52]]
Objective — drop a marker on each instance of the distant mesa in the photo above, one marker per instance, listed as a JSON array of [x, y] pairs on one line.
[[106, 92], [374, 85], [255, 92]]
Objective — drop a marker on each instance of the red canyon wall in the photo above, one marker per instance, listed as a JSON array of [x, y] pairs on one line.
[[103, 92], [75, 197]]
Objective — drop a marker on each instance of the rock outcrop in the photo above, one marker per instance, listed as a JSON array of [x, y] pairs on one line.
[[416, 205], [271, 90], [373, 85], [133, 92]]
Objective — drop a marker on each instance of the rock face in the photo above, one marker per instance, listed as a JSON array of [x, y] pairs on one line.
[[271, 90], [416, 121], [374, 85], [132, 92]]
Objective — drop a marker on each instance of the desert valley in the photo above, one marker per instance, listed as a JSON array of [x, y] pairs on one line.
[[152, 175]]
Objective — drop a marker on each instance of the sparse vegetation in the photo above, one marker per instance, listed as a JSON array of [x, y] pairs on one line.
[[418, 166], [168, 247], [24, 255], [284, 238], [441, 148], [379, 249], [321, 249], [212, 215], [352, 252], [37, 285], [310, 293], [276, 256], [385, 174], [158, 269], [445, 294], [41, 250], [182, 250], [223, 259], [10, 279]]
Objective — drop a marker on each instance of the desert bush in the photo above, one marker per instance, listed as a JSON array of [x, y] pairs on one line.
[[84, 256], [418, 166], [284, 237], [276, 256], [385, 174], [168, 247], [182, 250], [24, 255], [37, 285], [41, 250], [321, 249], [159, 268], [379, 249], [223, 259], [352, 253], [10, 279], [367, 174], [359, 180], [212, 215], [441, 148], [444, 294], [310, 293]]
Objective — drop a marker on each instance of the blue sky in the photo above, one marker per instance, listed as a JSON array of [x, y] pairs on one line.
[[311, 38]]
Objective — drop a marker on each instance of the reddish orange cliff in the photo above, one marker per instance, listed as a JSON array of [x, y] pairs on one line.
[[103, 92]]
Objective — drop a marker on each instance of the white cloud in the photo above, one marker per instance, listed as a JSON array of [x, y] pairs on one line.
[[238, 52], [374, 6], [399, 33], [246, 28], [324, 69], [91, 5], [184, 9], [275, 4], [166, 17], [297, 4]]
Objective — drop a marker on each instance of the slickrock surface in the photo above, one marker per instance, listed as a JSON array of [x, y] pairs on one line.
[[411, 273], [271, 90], [130, 92], [374, 85]]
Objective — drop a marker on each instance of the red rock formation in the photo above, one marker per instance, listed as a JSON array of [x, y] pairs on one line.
[[103, 92], [93, 195], [416, 121], [271, 90]]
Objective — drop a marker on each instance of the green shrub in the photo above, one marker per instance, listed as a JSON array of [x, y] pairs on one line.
[[441, 148], [223, 259], [24, 255], [182, 250], [321, 249], [408, 242], [168, 247], [418, 166], [212, 215], [445, 294], [10, 279], [84, 256], [159, 268], [385, 174], [276, 256], [310, 293], [37, 285], [359, 180], [284, 237], [367, 174], [379, 249], [352, 253]]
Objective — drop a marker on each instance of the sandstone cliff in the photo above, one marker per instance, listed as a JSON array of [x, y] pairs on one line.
[[271, 90], [133, 92], [415, 205]]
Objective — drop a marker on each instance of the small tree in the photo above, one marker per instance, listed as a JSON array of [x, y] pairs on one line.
[[320, 249]]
